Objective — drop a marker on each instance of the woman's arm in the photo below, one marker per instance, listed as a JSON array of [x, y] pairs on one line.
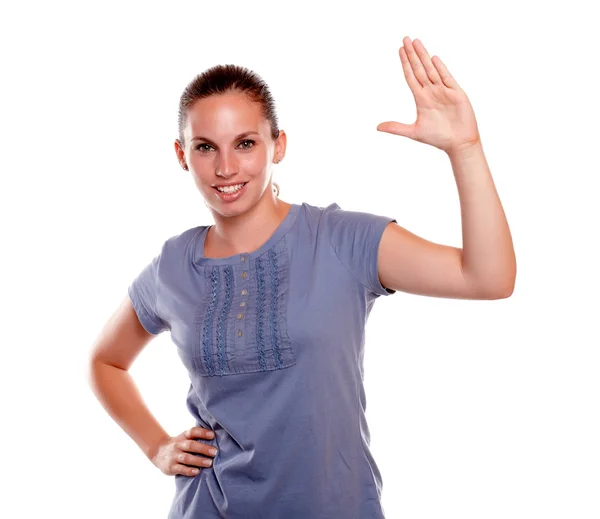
[[485, 268], [488, 256], [119, 343]]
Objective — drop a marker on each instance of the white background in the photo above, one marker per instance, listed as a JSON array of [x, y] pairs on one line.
[[477, 409]]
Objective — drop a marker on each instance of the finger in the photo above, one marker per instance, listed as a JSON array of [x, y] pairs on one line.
[[408, 72], [447, 78], [185, 458], [198, 446], [432, 72], [415, 62], [405, 130], [200, 432], [185, 470]]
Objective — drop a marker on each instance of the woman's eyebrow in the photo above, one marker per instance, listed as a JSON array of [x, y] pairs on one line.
[[199, 138]]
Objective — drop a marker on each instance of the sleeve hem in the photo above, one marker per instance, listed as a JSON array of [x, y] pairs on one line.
[[143, 315], [376, 234]]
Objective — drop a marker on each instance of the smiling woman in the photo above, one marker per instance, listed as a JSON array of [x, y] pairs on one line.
[[254, 306], [213, 105]]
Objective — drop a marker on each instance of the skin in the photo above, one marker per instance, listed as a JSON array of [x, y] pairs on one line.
[[246, 223]]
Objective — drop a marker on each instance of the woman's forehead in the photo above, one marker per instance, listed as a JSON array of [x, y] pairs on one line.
[[228, 105], [224, 115]]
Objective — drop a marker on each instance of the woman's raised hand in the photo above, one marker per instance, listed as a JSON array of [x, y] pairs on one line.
[[183, 454], [445, 118]]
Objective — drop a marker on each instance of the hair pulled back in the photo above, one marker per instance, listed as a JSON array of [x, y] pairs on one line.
[[223, 79]]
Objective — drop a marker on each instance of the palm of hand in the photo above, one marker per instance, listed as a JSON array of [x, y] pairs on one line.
[[445, 117]]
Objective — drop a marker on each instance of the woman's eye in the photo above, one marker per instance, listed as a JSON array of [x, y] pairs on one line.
[[204, 150], [247, 147]]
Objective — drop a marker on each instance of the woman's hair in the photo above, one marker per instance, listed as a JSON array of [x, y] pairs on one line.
[[222, 79]]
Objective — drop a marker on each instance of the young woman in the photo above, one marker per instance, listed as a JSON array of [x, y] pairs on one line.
[[267, 307]]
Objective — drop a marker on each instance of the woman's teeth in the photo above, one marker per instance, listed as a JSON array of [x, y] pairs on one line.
[[231, 189]]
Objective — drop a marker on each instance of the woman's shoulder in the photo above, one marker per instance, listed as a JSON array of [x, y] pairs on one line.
[[177, 245], [317, 211], [334, 215]]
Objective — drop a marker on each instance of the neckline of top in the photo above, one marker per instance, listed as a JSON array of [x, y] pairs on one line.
[[242, 258]]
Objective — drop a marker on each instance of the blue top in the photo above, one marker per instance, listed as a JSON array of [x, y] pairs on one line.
[[273, 341]]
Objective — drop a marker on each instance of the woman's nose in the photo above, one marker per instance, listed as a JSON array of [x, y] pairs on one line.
[[227, 164]]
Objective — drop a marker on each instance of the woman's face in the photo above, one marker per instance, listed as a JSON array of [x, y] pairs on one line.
[[216, 152]]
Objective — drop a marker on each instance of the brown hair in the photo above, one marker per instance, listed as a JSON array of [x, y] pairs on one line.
[[222, 79]]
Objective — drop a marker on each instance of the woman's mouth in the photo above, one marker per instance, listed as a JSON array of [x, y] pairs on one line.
[[232, 193]]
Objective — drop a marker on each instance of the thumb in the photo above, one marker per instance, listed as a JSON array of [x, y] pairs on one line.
[[405, 130]]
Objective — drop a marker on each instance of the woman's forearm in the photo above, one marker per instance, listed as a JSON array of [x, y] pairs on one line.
[[118, 394], [488, 254]]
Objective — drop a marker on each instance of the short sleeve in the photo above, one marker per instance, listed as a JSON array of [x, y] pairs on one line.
[[355, 238], [143, 292]]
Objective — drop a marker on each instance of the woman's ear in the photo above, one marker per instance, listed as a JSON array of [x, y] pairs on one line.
[[180, 154], [280, 145]]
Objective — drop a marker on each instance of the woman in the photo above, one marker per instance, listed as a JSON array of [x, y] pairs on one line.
[[267, 307]]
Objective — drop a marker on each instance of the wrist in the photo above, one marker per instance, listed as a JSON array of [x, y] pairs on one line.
[[465, 149], [152, 447]]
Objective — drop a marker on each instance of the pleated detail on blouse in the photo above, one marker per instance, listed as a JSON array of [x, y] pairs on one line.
[[241, 323]]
